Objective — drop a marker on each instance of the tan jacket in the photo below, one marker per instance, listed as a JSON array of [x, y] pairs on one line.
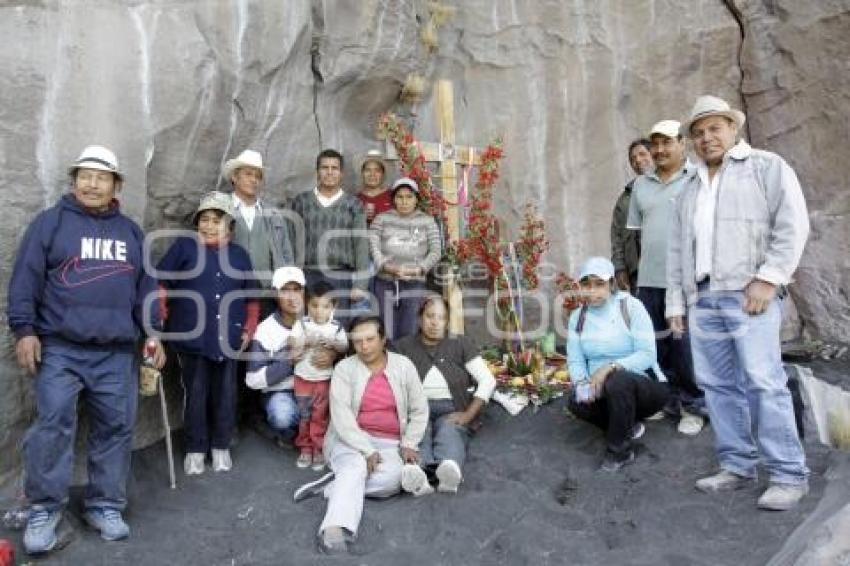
[[348, 384]]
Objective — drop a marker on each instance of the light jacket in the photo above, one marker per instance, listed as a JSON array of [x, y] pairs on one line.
[[348, 384], [760, 227]]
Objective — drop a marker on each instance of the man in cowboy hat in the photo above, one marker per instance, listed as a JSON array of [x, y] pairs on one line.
[[737, 236], [650, 210], [76, 297], [260, 229]]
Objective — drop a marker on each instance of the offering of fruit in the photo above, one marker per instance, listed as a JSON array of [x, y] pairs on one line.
[[561, 375], [518, 382]]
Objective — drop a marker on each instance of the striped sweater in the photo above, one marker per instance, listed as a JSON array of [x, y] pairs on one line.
[[349, 250], [412, 240]]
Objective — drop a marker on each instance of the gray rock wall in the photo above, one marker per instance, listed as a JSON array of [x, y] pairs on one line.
[[178, 87]]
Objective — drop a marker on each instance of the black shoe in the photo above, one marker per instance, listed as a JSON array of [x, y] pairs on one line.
[[613, 462], [312, 488]]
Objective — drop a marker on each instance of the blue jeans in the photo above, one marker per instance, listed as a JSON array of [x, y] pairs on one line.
[[109, 378], [738, 364], [282, 412], [443, 440]]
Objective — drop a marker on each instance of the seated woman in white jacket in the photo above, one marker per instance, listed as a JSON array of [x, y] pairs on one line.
[[378, 417]]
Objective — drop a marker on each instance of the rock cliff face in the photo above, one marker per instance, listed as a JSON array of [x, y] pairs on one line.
[[178, 87]]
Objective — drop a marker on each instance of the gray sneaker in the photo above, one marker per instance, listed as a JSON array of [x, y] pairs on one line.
[[722, 481], [782, 496], [312, 488], [449, 476], [108, 521], [40, 534]]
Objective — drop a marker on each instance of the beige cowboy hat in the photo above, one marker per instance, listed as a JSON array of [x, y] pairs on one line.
[[97, 157], [248, 158], [708, 105]]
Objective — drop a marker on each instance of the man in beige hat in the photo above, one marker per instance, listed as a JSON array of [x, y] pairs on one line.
[[650, 210], [260, 229], [737, 235]]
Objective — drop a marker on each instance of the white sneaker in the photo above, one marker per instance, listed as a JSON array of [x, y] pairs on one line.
[[722, 481], [659, 416], [782, 496], [414, 480], [193, 464], [221, 461], [448, 472], [690, 424], [638, 430]]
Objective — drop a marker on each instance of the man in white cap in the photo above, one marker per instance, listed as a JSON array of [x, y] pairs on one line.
[[270, 369], [650, 211], [76, 298], [738, 233], [260, 229]]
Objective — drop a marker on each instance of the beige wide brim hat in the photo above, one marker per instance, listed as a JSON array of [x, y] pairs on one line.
[[215, 200], [708, 105], [248, 158], [97, 157]]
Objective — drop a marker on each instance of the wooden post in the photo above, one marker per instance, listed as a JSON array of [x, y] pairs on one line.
[[449, 156]]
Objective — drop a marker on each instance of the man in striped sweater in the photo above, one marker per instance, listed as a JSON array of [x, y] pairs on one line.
[[336, 246]]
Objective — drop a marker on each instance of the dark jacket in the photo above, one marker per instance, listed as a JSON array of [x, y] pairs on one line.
[[79, 277], [450, 356], [625, 243], [224, 272]]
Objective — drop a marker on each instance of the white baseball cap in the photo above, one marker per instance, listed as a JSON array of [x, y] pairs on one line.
[[666, 128], [288, 274], [598, 266]]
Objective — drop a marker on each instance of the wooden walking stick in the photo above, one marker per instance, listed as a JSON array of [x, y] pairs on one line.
[[151, 383]]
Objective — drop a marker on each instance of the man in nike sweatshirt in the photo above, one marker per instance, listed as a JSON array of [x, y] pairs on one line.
[[75, 306]]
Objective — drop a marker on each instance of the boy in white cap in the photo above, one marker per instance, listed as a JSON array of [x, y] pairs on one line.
[[76, 301], [650, 211], [737, 236]]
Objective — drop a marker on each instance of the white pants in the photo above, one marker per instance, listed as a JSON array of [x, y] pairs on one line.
[[350, 485]]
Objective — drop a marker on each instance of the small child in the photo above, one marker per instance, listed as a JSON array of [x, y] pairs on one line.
[[316, 330], [208, 371]]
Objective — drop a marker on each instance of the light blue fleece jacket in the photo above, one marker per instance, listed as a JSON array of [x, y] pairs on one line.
[[605, 339]]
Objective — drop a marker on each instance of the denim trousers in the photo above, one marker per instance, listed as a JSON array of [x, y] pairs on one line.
[[398, 305], [738, 363], [108, 379], [443, 440], [282, 412]]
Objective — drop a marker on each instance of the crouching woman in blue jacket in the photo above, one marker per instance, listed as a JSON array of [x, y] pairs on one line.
[[76, 296], [610, 350]]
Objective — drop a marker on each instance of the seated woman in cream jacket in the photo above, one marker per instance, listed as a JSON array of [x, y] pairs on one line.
[[378, 417]]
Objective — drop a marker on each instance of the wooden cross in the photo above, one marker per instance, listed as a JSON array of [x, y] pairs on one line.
[[449, 156]]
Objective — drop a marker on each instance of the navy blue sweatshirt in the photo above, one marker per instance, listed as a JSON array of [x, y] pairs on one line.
[[224, 279], [79, 276]]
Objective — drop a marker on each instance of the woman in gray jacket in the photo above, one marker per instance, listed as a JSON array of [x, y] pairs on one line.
[[405, 245], [378, 417]]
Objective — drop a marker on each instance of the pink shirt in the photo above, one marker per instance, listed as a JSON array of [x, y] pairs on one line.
[[378, 415]]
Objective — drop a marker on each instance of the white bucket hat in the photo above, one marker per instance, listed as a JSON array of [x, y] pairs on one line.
[[215, 200], [708, 105], [97, 157], [248, 158], [288, 274], [376, 156], [666, 128]]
